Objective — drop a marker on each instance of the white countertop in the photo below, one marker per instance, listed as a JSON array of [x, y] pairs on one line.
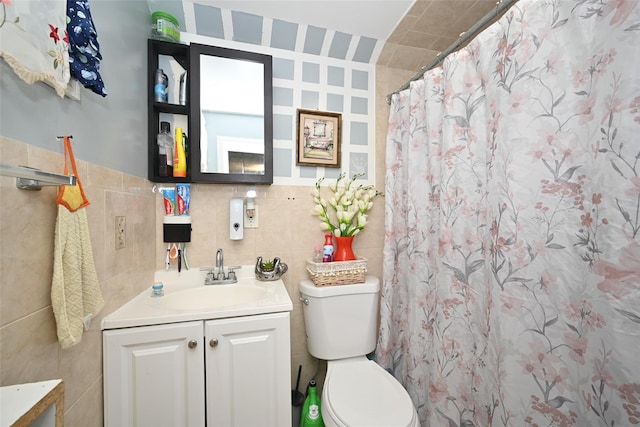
[[144, 310]]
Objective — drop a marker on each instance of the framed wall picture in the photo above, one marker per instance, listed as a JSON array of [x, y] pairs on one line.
[[318, 138]]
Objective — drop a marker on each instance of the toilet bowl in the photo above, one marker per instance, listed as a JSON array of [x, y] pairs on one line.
[[358, 392], [341, 327]]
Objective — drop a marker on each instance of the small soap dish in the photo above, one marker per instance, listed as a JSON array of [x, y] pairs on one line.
[[270, 270]]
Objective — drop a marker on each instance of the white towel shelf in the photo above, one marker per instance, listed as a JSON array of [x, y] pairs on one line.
[[34, 179], [31, 404]]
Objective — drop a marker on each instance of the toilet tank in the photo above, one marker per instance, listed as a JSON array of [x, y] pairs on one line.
[[341, 321]]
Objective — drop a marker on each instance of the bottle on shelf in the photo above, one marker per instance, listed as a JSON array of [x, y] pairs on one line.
[[165, 150], [179, 156], [182, 97], [161, 86], [327, 250]]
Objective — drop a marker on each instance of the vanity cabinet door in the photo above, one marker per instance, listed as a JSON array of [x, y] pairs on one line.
[[154, 376], [248, 371]]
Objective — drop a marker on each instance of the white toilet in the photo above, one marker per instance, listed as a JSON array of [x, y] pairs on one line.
[[341, 325]]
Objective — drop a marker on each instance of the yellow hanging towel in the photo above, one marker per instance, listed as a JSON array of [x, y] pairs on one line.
[[75, 290]]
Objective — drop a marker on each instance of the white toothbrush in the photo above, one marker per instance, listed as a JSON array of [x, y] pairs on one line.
[[168, 261]]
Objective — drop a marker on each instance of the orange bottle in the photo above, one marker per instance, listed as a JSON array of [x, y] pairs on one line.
[[179, 156]]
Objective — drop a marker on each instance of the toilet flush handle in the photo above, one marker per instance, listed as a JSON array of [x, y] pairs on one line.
[[305, 301]]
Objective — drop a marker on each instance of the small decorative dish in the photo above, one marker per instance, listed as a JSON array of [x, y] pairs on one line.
[[270, 270]]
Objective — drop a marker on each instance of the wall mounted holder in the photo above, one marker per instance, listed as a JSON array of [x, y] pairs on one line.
[[176, 229], [236, 219]]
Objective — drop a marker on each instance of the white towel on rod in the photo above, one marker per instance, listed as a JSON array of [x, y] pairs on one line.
[[75, 290]]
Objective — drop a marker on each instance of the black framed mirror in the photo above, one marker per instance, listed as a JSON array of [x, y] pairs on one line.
[[231, 115]]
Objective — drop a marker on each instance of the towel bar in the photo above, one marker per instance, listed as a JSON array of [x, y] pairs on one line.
[[34, 179]]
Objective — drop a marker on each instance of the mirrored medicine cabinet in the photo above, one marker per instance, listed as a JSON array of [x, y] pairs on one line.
[[228, 113]]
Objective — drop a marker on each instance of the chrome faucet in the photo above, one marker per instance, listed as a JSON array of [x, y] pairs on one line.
[[220, 278], [220, 264]]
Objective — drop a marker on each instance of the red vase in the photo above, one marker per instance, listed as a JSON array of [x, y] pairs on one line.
[[343, 251]]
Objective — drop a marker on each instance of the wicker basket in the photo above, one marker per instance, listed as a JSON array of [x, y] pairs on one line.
[[338, 272]]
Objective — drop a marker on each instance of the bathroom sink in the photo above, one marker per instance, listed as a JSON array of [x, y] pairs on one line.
[[186, 298], [215, 296]]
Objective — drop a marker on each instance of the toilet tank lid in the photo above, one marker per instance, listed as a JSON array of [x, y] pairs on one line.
[[371, 285]]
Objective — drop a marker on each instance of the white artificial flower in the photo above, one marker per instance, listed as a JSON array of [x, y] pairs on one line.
[[348, 216], [349, 202], [362, 220], [348, 197]]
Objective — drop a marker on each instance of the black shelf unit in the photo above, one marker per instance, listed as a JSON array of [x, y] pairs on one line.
[[180, 52]]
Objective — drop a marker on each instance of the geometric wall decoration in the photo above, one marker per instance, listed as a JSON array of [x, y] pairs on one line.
[[313, 68]]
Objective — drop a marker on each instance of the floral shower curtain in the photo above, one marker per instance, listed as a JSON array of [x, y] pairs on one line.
[[511, 291]]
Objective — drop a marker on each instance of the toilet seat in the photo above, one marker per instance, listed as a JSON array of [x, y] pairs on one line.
[[358, 392]]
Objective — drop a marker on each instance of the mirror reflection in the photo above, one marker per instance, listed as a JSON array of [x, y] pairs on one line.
[[232, 116]]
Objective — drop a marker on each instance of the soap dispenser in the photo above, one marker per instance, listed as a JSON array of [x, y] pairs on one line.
[[236, 219]]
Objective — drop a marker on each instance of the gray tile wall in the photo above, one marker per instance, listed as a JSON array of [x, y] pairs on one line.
[[313, 68], [248, 28]]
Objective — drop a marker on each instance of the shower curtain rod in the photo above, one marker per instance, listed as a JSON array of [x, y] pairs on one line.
[[501, 6]]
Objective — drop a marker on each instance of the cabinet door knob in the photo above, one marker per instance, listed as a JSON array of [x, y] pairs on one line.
[[213, 342], [193, 344]]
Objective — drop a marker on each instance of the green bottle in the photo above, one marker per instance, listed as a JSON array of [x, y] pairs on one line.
[[311, 416]]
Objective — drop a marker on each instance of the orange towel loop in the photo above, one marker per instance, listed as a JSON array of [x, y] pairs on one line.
[[71, 196]]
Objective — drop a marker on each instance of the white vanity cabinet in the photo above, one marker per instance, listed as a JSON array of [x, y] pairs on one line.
[[248, 371], [154, 375], [166, 375]]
